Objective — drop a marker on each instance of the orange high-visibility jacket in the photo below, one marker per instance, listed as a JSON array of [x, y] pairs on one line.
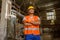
[[31, 29]]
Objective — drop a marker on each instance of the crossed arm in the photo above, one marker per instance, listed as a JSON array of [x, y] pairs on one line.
[[38, 22]]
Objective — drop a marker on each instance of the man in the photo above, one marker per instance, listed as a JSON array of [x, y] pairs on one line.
[[31, 25]]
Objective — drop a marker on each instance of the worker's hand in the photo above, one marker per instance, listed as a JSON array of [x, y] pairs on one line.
[[35, 23], [27, 23]]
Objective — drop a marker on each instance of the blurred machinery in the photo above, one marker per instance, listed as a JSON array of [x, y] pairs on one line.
[[15, 28]]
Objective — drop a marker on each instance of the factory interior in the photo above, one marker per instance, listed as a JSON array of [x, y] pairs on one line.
[[47, 10]]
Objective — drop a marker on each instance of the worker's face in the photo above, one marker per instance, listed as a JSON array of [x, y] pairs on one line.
[[31, 11]]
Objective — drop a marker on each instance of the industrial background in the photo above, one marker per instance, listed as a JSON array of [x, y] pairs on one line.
[[47, 10]]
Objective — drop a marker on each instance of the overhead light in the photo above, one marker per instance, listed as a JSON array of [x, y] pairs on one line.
[[30, 2]]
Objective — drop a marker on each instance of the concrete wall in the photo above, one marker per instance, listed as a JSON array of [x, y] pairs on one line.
[[3, 26]]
